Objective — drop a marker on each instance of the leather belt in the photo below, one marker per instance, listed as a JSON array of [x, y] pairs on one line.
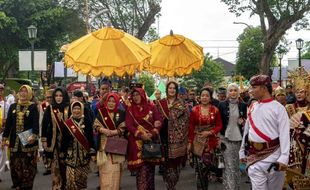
[[258, 146]]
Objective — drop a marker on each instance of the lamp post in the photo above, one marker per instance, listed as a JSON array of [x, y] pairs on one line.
[[299, 45], [280, 56], [32, 34]]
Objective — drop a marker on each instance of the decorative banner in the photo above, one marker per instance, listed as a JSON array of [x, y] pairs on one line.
[[59, 70], [82, 78], [24, 57], [24, 60], [40, 61]]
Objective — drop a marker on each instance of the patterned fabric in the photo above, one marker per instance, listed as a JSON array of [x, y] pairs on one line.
[[145, 177], [110, 175], [177, 127], [201, 172], [77, 177], [58, 172], [171, 177], [23, 169], [231, 175], [46, 161]]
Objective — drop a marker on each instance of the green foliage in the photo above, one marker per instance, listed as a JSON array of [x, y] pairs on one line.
[[276, 17], [148, 82], [134, 17], [306, 53], [56, 26], [211, 72], [249, 52]]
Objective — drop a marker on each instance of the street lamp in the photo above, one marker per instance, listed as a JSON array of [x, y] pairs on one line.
[[280, 56], [32, 34], [299, 45]]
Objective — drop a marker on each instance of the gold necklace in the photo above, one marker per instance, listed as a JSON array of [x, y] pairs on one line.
[[20, 117]]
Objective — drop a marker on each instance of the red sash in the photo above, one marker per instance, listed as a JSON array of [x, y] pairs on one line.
[[77, 133], [164, 107], [59, 123], [257, 131], [106, 119]]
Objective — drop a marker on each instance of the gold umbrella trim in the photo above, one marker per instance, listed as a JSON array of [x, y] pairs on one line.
[[105, 70], [175, 55], [108, 51], [177, 71]]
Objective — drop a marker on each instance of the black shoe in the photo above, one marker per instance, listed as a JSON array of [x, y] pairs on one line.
[[47, 172]]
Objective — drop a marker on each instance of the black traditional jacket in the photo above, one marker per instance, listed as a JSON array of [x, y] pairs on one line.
[[21, 118], [224, 110], [75, 154], [51, 130]]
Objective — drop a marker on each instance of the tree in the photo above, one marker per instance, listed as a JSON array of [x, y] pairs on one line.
[[306, 53], [148, 83], [56, 26], [134, 17], [211, 72], [276, 17], [249, 52]]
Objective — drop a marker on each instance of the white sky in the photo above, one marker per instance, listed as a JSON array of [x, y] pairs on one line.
[[210, 24]]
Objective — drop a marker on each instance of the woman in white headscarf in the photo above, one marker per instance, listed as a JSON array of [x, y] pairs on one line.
[[233, 114]]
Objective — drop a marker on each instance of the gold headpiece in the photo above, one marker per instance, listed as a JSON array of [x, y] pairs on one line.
[[279, 91], [300, 78]]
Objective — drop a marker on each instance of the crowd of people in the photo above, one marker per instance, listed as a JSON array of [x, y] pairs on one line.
[[264, 130]]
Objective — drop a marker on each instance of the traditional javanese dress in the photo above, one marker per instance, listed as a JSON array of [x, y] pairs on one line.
[[140, 118], [198, 123], [300, 142], [297, 150], [77, 146], [174, 137], [110, 165], [52, 124], [305, 140], [23, 158]]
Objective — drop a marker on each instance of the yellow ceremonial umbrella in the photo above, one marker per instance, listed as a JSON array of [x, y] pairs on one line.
[[175, 55], [107, 51]]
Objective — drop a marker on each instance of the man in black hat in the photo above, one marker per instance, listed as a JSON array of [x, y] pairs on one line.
[[267, 134], [221, 94]]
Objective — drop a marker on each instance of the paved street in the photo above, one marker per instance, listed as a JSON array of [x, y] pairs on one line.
[[187, 181]]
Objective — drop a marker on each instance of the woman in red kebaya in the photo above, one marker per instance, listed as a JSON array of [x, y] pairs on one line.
[[143, 122], [204, 125]]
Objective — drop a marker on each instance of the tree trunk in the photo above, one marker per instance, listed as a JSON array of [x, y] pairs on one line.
[[149, 20], [271, 41], [265, 62]]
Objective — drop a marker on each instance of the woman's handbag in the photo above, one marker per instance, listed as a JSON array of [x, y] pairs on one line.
[[151, 150], [116, 145]]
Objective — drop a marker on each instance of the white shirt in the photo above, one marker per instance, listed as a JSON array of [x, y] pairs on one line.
[[10, 99], [272, 120]]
